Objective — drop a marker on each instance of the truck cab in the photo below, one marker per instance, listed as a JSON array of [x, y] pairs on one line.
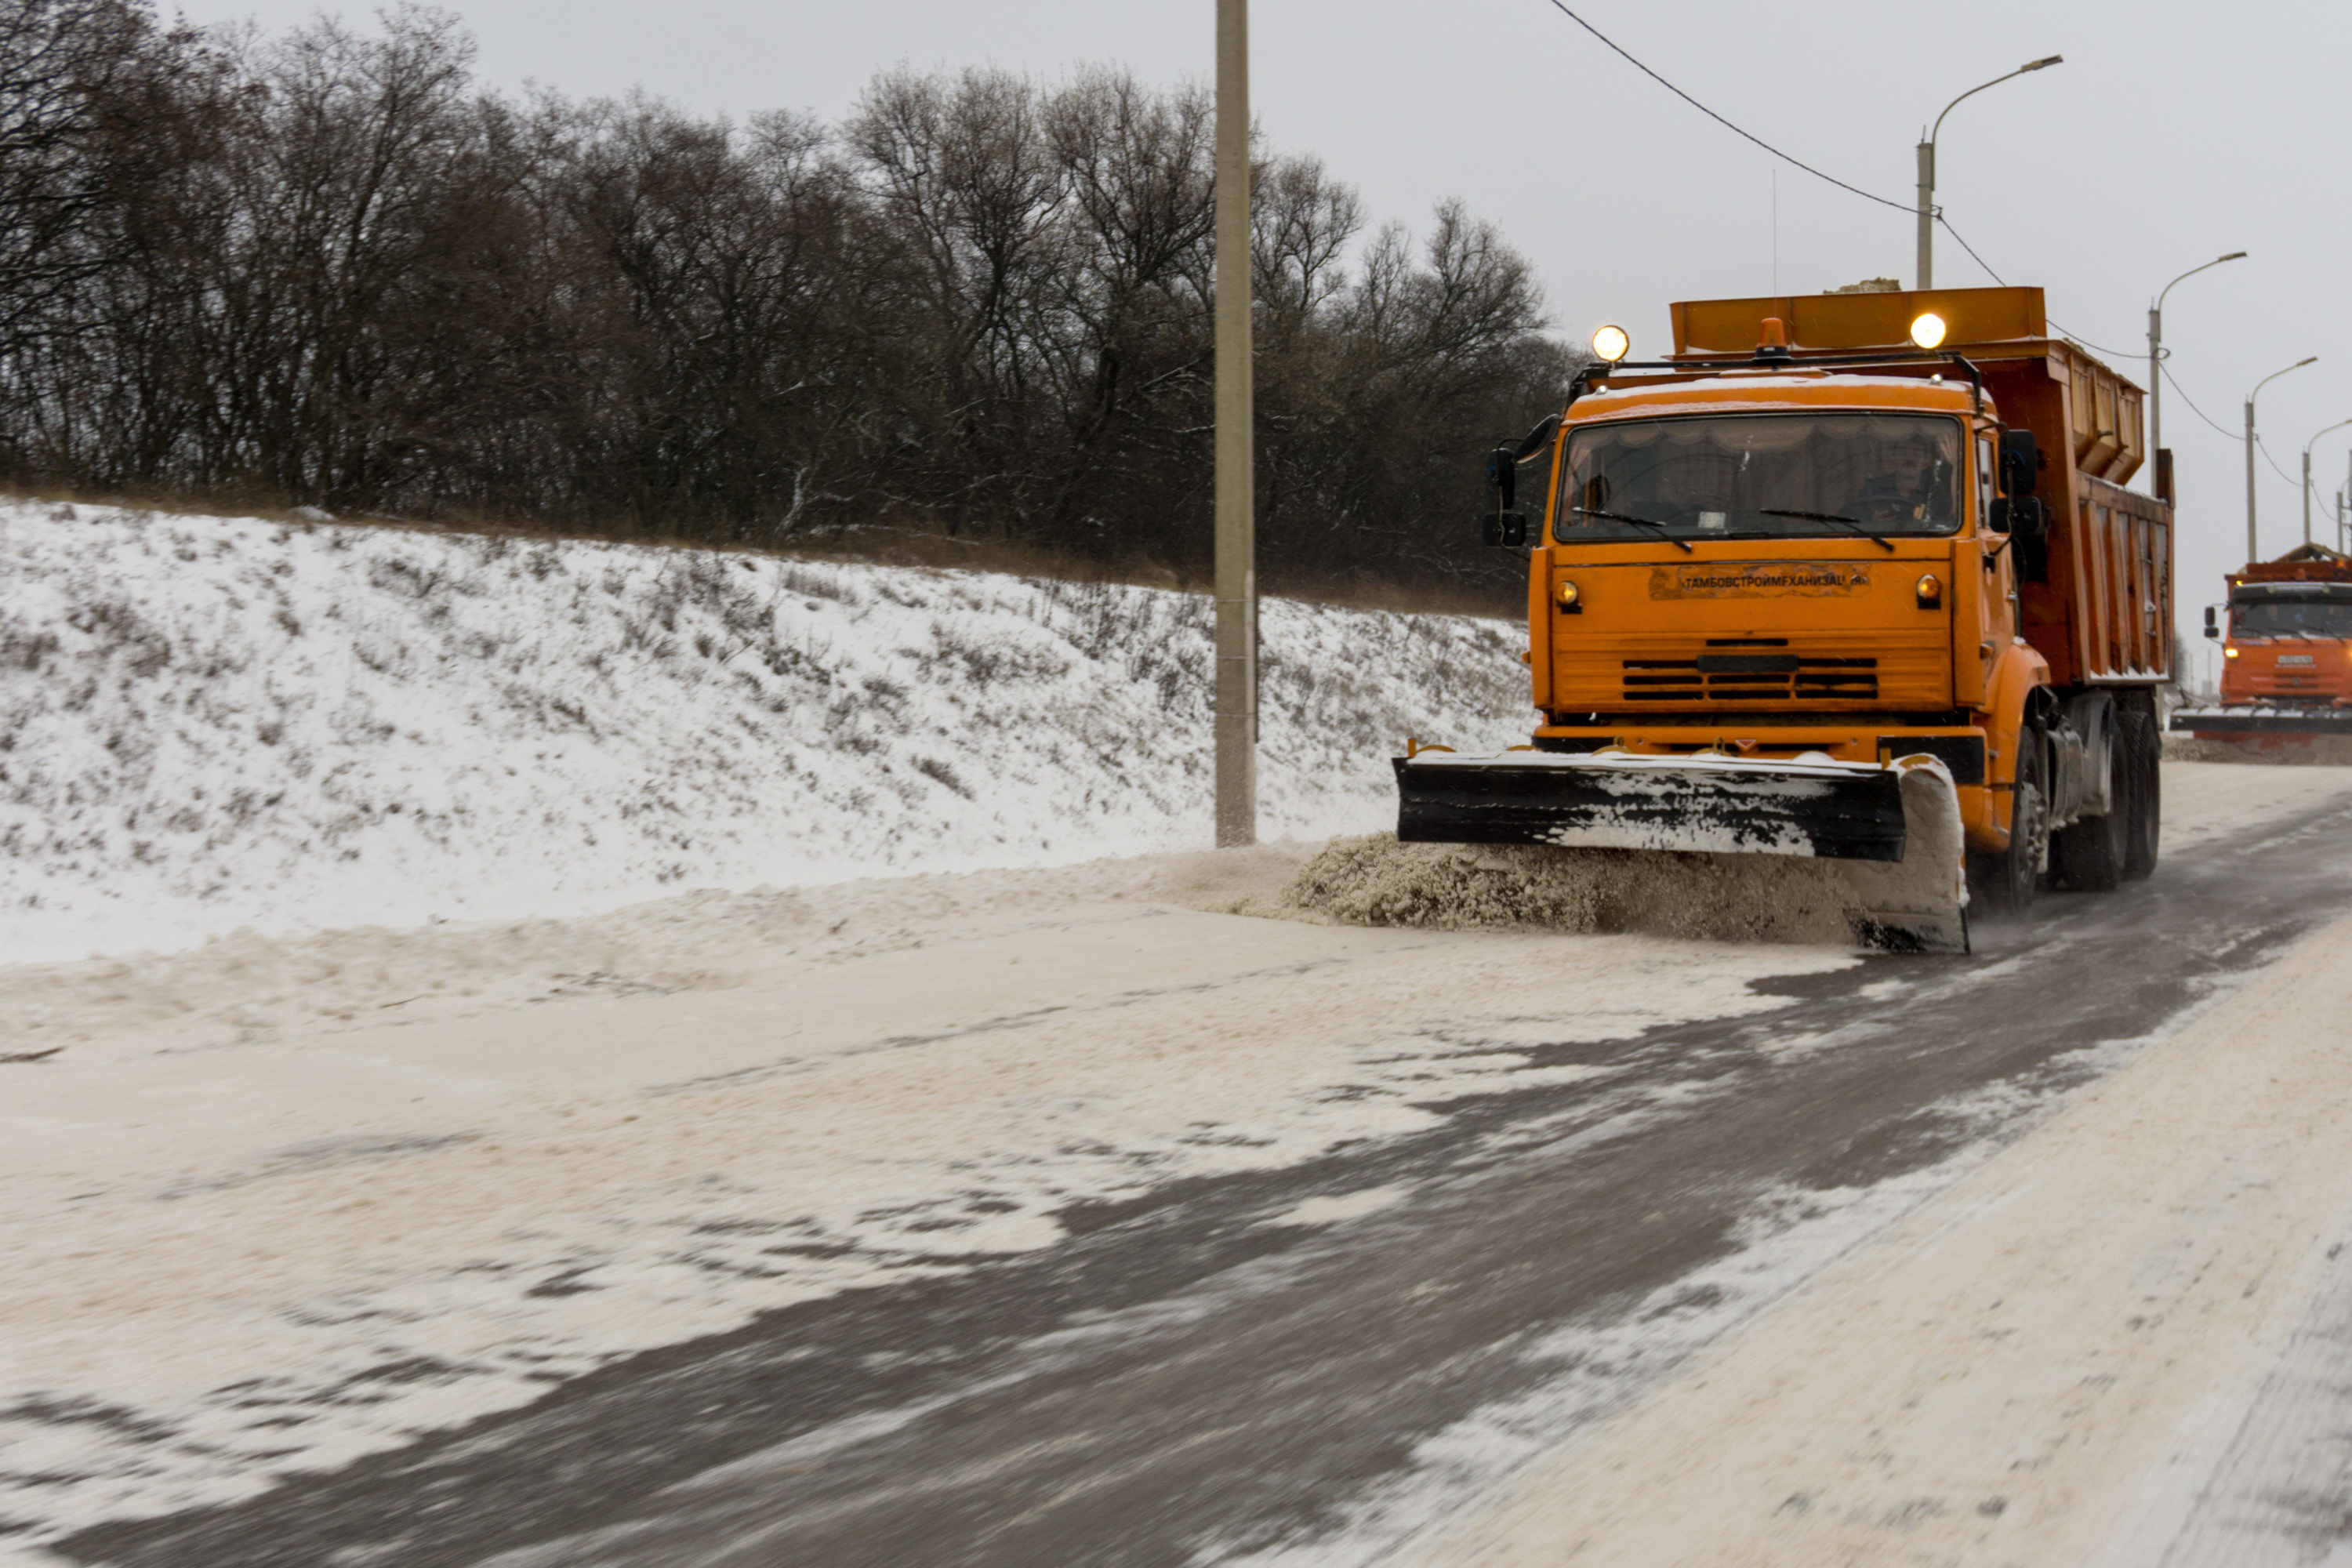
[[2287, 645], [1781, 564]]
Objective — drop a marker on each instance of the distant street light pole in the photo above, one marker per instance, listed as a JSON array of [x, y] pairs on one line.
[[2156, 354], [1236, 481], [1927, 170], [2306, 475], [2254, 552]]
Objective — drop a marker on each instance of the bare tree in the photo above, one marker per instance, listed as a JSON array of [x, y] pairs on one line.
[[325, 267], [68, 70], [968, 193]]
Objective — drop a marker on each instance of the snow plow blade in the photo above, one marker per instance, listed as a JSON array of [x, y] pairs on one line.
[[2234, 724], [1892, 830]]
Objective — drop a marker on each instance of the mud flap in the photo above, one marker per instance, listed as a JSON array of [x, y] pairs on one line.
[[1893, 829]]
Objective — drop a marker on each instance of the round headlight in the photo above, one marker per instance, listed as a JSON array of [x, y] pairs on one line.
[[1567, 596], [1612, 344], [1927, 330]]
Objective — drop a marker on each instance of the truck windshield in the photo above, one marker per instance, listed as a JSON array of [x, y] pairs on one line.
[[2291, 618], [1762, 476]]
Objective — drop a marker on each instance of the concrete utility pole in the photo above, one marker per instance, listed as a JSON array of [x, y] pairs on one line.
[[1236, 501], [2253, 551], [2156, 354], [1928, 171]]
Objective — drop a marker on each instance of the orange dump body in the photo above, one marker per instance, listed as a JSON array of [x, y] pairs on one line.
[[1931, 641]]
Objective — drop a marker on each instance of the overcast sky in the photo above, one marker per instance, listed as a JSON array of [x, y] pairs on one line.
[[2173, 133]]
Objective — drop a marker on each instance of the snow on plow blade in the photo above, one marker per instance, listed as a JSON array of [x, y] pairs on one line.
[[1892, 830]]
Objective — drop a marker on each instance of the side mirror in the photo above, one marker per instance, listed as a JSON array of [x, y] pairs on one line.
[[1500, 525], [1503, 478], [2020, 515], [2021, 463], [2212, 623]]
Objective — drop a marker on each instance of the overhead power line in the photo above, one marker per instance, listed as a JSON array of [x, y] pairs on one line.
[[1867, 195], [2097, 349], [2261, 444], [1727, 125], [1958, 239], [2062, 331], [2233, 435], [1971, 249], [2274, 462]]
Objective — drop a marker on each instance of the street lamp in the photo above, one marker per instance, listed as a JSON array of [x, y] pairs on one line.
[[2156, 353], [2306, 475], [2253, 552], [1928, 171]]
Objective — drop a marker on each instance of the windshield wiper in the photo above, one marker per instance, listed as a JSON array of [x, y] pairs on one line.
[[1686, 545], [1877, 538]]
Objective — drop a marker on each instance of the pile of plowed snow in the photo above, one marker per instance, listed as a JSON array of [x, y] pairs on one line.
[[1375, 881], [212, 722]]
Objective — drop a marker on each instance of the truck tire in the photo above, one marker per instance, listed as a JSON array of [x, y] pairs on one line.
[[2089, 854], [2006, 882], [2144, 748]]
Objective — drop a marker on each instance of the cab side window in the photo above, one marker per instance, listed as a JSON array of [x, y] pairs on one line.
[[1984, 479]]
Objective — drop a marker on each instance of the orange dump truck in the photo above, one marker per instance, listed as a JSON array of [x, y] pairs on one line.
[[1849, 576], [2286, 663]]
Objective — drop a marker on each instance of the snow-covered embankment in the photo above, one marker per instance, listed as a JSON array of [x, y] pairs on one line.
[[209, 722]]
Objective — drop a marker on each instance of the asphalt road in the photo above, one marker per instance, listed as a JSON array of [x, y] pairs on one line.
[[1183, 1381]]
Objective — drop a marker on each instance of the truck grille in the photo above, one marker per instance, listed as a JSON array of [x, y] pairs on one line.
[[1750, 678]]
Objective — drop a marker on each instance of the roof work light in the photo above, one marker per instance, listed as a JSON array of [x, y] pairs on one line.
[[1611, 343], [1927, 332]]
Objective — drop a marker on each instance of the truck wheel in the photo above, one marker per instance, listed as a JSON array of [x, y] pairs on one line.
[[2008, 881], [2089, 855], [2145, 748]]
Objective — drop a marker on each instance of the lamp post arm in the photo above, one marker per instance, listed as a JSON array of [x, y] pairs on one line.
[[2275, 375], [1996, 81], [2233, 255], [2030, 66], [2340, 425]]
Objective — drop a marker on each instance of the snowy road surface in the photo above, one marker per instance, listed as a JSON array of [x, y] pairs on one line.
[[1048, 1217]]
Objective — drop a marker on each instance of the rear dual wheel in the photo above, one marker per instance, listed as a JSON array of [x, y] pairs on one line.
[[2088, 853], [2098, 853]]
